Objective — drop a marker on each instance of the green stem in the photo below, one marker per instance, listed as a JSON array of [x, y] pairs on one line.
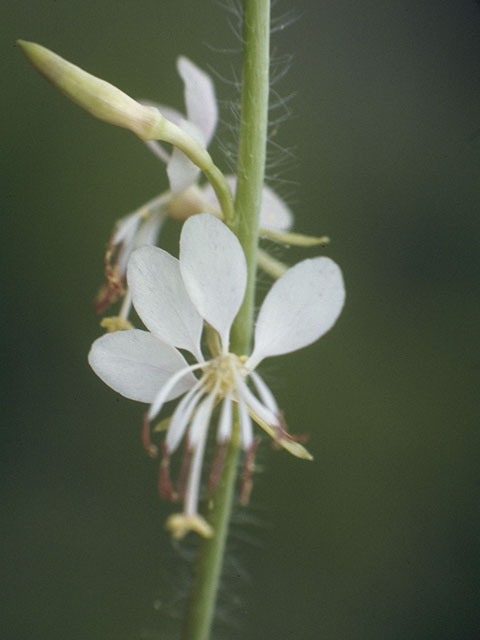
[[250, 176], [251, 154], [210, 553]]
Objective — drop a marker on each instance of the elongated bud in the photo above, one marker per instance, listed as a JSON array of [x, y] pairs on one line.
[[99, 98]]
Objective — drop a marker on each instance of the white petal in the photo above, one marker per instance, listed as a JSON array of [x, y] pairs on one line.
[[300, 307], [274, 212], [181, 171], [126, 227], [200, 98], [214, 271], [147, 234], [136, 365], [161, 301], [157, 150]]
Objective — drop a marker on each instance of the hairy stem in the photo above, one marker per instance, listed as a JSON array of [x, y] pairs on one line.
[[250, 175], [251, 154]]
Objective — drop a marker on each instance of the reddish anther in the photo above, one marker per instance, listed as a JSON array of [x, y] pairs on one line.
[[282, 433], [165, 488], [217, 467], [184, 469], [150, 448], [114, 287]]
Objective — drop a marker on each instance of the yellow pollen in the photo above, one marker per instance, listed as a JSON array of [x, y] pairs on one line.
[[220, 373], [116, 323]]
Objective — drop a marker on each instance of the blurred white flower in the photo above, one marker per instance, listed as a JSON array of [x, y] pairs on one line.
[[174, 298], [185, 197]]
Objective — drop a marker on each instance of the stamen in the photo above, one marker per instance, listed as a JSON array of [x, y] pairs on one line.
[[247, 473], [182, 415], [162, 395], [225, 423], [256, 406], [113, 289], [198, 436], [165, 488], [283, 434], [265, 394], [184, 469], [246, 431], [126, 306], [150, 448], [217, 467]]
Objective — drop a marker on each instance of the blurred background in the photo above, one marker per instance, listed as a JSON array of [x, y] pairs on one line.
[[379, 149]]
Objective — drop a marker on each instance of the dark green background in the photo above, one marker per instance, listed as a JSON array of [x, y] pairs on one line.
[[378, 538]]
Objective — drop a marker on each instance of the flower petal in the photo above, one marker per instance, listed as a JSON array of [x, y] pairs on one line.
[[136, 364], [157, 150], [300, 307], [126, 228], [147, 234], [275, 215], [200, 98], [180, 170], [161, 300], [214, 271], [274, 212]]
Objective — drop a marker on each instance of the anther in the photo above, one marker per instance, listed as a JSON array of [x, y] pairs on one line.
[[150, 448], [217, 467], [165, 488], [247, 473], [114, 288], [184, 469], [281, 432]]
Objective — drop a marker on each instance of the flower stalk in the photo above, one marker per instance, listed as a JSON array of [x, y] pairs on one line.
[[250, 174]]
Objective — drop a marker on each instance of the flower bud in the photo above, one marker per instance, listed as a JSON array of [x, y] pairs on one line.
[[99, 98]]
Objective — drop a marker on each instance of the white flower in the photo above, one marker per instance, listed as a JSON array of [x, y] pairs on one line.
[[185, 197], [174, 298], [200, 122]]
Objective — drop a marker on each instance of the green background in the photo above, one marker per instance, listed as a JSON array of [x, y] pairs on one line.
[[378, 538]]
